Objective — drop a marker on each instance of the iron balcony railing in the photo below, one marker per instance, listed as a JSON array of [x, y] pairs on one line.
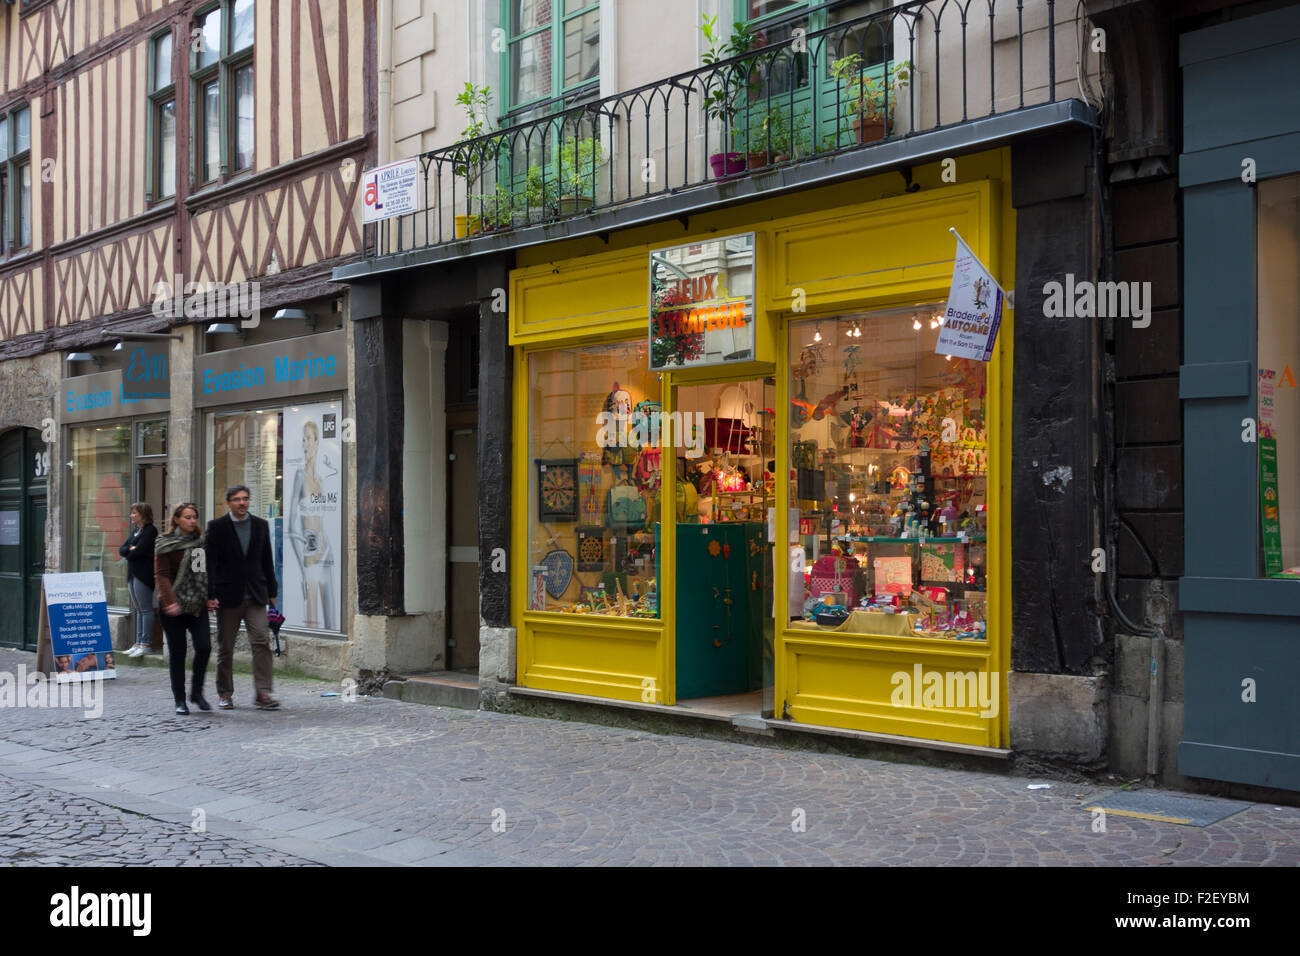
[[907, 69]]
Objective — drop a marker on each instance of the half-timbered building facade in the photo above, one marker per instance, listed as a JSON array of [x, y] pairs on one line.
[[178, 179]]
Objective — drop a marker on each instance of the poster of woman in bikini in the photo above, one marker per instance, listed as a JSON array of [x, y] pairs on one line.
[[313, 516]]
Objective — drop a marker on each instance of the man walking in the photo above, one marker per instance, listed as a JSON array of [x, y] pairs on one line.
[[241, 582]]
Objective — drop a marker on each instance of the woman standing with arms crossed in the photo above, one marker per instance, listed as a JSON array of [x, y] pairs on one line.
[[138, 551], [182, 596]]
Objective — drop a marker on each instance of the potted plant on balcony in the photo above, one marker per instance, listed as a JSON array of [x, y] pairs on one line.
[[579, 160], [473, 157], [496, 209], [869, 97], [778, 141], [727, 85]]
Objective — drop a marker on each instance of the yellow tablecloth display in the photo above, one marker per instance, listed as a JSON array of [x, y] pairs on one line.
[[872, 622]]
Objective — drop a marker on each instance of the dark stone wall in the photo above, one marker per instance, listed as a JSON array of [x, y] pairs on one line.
[[495, 410], [1056, 627], [1148, 414], [380, 420]]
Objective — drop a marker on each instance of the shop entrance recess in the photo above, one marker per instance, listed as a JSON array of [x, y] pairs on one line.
[[725, 466], [24, 467]]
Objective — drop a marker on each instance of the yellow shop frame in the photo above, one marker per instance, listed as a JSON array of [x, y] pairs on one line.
[[825, 252]]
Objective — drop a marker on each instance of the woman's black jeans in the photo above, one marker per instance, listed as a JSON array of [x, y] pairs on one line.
[[174, 628]]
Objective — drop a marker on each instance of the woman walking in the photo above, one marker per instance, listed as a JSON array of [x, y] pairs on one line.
[[138, 551], [182, 597]]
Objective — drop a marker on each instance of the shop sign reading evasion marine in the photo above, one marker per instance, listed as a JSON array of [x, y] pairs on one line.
[[702, 303], [294, 367]]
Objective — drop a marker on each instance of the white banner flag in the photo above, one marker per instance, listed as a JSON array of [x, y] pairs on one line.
[[974, 310]]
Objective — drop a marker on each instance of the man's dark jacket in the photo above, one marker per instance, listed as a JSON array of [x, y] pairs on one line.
[[230, 573]]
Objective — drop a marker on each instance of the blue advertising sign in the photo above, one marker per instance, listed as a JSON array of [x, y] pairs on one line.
[[79, 635]]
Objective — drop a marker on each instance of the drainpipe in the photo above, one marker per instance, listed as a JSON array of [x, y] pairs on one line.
[[1110, 519], [385, 82]]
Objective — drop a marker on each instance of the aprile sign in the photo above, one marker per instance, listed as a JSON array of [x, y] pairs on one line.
[[391, 190]]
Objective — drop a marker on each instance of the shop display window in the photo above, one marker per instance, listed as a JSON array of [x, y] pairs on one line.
[[596, 441], [291, 460], [1279, 376], [888, 478], [101, 504]]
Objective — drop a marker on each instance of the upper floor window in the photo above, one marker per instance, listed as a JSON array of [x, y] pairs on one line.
[[16, 179], [221, 74], [552, 50], [162, 118]]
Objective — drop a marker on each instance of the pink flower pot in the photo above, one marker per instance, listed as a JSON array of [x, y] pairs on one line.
[[727, 164]]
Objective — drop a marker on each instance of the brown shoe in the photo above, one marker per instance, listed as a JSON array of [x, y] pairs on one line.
[[265, 701], [225, 702]]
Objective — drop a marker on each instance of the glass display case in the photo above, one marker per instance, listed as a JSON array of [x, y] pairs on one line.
[[889, 465]]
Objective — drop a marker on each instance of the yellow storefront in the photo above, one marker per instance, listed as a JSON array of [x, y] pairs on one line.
[[680, 532]]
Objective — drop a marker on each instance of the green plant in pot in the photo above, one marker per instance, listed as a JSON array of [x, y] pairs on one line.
[[870, 97], [579, 161], [729, 86], [474, 157], [778, 140], [496, 210]]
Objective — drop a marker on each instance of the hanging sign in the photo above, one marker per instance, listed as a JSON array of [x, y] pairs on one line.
[[702, 303], [142, 386], [974, 310], [392, 190]]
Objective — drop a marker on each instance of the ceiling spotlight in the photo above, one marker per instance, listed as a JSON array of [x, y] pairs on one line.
[[934, 323], [938, 318], [857, 333], [916, 324], [947, 358], [817, 337]]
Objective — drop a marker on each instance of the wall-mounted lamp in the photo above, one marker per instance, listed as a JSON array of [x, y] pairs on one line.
[[225, 328], [84, 357], [300, 314]]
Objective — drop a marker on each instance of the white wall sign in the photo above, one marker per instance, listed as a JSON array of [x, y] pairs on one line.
[[392, 190]]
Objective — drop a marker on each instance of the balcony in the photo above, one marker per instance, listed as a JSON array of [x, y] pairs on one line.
[[783, 110]]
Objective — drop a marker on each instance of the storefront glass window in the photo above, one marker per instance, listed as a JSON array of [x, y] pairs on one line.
[[290, 459], [888, 475], [1279, 375], [101, 504], [594, 481], [151, 438]]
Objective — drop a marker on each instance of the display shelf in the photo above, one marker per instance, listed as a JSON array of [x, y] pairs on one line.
[[869, 539]]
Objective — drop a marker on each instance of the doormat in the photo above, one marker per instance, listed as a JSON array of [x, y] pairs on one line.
[[1165, 807]]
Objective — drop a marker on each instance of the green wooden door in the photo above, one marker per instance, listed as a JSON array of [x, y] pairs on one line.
[[24, 464]]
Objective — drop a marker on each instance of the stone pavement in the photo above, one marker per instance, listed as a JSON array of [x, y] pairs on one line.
[[381, 782]]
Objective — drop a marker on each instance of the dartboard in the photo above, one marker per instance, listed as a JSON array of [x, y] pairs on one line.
[[591, 550], [558, 493]]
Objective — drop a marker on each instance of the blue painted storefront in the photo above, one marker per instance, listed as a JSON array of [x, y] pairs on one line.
[[1240, 102]]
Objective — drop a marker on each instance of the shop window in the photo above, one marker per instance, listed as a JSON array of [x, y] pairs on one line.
[[1279, 376], [888, 476], [290, 460], [595, 445], [101, 504]]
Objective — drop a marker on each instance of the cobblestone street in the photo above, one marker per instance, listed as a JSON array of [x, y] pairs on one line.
[[380, 782]]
